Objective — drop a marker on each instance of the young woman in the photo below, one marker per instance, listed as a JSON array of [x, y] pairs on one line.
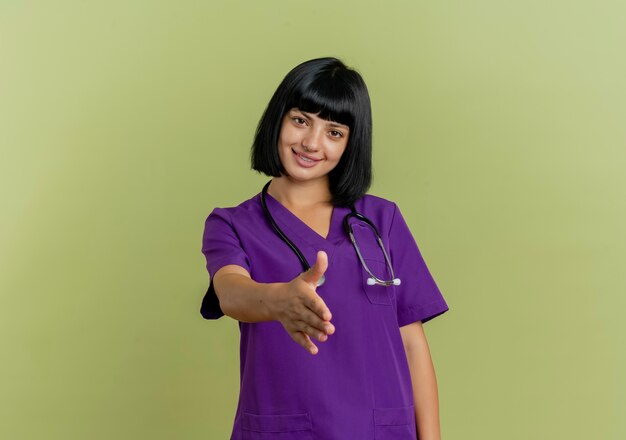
[[312, 257]]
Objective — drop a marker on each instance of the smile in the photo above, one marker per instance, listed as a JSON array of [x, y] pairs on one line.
[[305, 161]]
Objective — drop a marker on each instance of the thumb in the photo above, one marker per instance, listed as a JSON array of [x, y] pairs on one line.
[[317, 270]]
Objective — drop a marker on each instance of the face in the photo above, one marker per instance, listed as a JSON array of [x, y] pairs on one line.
[[310, 147]]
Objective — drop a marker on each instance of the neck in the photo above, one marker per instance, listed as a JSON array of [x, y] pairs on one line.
[[300, 194]]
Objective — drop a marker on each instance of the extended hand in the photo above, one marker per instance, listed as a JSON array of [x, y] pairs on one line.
[[301, 311]]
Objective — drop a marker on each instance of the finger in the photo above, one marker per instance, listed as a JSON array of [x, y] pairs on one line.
[[317, 270], [313, 320], [312, 332], [317, 305], [304, 341]]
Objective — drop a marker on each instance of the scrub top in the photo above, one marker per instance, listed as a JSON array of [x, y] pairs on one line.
[[358, 385]]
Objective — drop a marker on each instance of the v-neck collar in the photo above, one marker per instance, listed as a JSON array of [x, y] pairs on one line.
[[289, 221]]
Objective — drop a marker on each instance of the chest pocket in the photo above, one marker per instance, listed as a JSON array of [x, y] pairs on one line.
[[375, 260]]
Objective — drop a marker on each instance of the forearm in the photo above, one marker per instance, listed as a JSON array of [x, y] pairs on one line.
[[244, 299], [424, 384], [295, 304]]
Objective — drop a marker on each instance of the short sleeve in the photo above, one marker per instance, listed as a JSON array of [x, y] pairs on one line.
[[418, 297], [221, 246]]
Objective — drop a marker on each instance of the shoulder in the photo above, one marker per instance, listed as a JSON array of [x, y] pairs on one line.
[[378, 209], [237, 213], [377, 201], [373, 203]]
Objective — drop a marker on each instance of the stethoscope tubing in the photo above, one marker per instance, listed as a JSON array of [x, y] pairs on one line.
[[348, 228]]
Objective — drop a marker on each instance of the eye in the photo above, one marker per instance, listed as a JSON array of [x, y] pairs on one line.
[[336, 134], [298, 120]]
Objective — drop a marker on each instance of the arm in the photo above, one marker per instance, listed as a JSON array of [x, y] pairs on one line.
[[424, 381], [240, 297], [295, 304]]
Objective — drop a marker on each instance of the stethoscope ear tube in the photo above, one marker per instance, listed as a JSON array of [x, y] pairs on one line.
[[305, 264], [294, 248], [373, 279]]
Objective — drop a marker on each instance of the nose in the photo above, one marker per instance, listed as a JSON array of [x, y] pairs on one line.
[[311, 142]]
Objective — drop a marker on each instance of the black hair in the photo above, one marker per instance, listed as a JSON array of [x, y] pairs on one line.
[[338, 93]]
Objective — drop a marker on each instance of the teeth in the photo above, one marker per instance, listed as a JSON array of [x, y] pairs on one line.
[[305, 159]]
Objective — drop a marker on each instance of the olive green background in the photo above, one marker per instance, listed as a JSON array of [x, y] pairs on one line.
[[499, 129]]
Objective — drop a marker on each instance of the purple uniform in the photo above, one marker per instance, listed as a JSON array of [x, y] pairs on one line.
[[358, 386]]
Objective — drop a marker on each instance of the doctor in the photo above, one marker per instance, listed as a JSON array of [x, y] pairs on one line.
[[371, 375]]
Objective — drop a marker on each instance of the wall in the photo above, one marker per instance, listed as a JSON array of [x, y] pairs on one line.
[[499, 130]]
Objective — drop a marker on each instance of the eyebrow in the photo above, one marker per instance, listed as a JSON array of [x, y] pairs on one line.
[[332, 124]]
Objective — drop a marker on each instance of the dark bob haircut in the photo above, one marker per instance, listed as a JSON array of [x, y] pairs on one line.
[[328, 87]]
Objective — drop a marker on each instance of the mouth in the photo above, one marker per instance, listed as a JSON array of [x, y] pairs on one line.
[[304, 157]]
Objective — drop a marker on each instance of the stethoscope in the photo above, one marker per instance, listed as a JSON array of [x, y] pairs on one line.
[[373, 279]]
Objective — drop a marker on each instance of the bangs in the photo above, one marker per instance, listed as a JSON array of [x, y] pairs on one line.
[[332, 100]]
